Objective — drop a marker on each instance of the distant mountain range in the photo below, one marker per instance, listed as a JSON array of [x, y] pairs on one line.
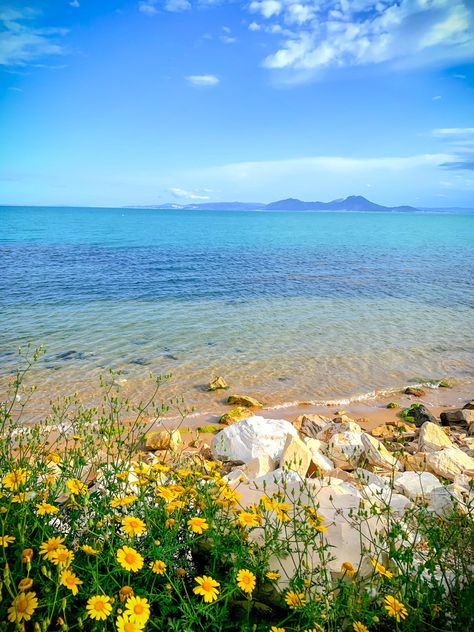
[[351, 203]]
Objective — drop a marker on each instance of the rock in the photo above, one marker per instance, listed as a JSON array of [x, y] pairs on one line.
[[377, 454], [342, 418], [345, 449], [310, 425], [394, 430], [470, 430], [461, 417], [393, 405], [415, 484], [418, 414], [163, 439], [236, 414], [415, 391], [252, 437], [433, 438], [386, 498], [414, 462], [296, 455], [260, 466], [444, 500], [279, 477], [217, 383], [337, 427], [444, 384], [370, 478], [449, 462], [244, 400], [320, 464], [469, 405]]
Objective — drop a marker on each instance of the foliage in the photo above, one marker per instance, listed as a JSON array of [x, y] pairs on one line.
[[95, 535]]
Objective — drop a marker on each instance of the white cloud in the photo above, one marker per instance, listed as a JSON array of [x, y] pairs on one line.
[[75, 4], [453, 131], [150, 7], [21, 42], [202, 80], [437, 97], [321, 33], [190, 195], [253, 26]]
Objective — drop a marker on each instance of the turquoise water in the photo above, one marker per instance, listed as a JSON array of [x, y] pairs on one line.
[[285, 305]]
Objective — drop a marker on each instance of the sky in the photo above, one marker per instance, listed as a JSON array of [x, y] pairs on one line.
[[114, 102]]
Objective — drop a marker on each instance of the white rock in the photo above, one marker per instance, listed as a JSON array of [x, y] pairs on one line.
[[432, 438], [386, 498], [296, 455], [274, 480], [345, 449], [336, 428], [252, 437], [443, 500], [368, 478], [415, 484], [259, 466], [377, 454], [321, 461], [449, 462]]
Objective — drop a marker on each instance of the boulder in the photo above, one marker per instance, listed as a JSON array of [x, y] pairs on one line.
[[320, 463], [387, 499], [444, 500], [414, 462], [217, 383], [415, 391], [162, 439], [337, 427], [461, 417], [252, 437], [236, 414], [244, 400], [370, 478], [345, 449], [433, 438], [260, 466], [418, 414], [393, 430], [296, 455], [377, 454], [415, 484], [310, 425], [449, 462], [469, 405]]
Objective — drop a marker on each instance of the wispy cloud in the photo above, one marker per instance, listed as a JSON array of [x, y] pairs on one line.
[[460, 140], [75, 4], [190, 195], [202, 81], [150, 7], [323, 34], [21, 42]]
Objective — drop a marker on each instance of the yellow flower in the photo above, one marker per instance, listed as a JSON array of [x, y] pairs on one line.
[[48, 548], [14, 479], [23, 606], [61, 556], [248, 519], [138, 609], [246, 580], [357, 626], [347, 569], [22, 497], [5, 540], [76, 487], [294, 599], [273, 575], [395, 608], [99, 607], [158, 567], [46, 508], [125, 592], [133, 526], [129, 559], [207, 587], [198, 525], [89, 550], [275, 629], [53, 458], [169, 523], [381, 569], [26, 555], [25, 584], [318, 628], [126, 624], [123, 501], [70, 580]]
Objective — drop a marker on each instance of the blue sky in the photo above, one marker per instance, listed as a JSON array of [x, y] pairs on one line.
[[116, 103]]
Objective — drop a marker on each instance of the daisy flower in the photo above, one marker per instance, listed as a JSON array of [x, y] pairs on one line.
[[207, 588], [198, 525], [246, 580], [22, 608], [70, 580], [137, 609], [133, 526], [99, 607], [158, 567], [395, 608], [294, 599], [129, 559]]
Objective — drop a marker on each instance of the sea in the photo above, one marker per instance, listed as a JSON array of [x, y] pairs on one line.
[[286, 306]]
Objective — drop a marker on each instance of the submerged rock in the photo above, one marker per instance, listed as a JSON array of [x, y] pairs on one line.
[[236, 414], [217, 383], [252, 437], [244, 400], [418, 414], [415, 391]]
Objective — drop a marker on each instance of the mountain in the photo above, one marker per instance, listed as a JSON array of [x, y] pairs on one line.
[[351, 203]]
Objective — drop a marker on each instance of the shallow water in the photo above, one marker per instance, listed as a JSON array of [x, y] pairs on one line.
[[289, 306]]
